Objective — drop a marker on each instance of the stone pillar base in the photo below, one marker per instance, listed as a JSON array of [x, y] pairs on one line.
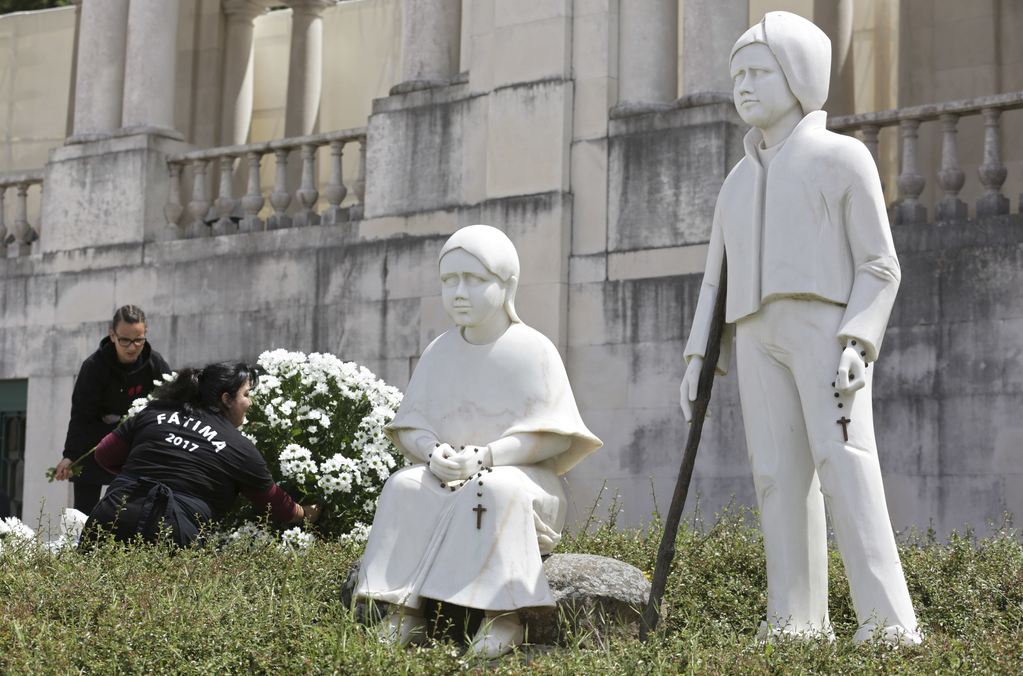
[[17, 249], [334, 215], [994, 204], [630, 108], [86, 137], [416, 85], [909, 213], [150, 130], [111, 191], [952, 209], [703, 99]]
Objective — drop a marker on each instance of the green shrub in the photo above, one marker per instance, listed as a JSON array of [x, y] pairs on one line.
[[267, 610]]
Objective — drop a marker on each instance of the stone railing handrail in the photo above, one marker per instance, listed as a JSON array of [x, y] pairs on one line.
[[30, 178], [951, 178], [19, 237], [924, 113], [229, 215]]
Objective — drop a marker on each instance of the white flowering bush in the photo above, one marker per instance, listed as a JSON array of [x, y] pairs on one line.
[[319, 424], [15, 536]]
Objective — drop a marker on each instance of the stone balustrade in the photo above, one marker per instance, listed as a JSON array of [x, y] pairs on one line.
[[230, 215], [18, 237], [907, 209]]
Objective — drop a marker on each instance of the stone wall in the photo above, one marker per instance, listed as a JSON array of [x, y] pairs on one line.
[[611, 220]]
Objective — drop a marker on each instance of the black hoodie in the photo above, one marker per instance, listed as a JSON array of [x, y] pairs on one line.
[[106, 387]]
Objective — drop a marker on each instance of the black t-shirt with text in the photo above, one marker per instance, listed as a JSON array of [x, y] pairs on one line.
[[202, 456]]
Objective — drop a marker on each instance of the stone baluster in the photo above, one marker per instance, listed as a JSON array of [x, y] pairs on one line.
[[307, 194], [3, 227], [279, 198], [870, 136], [910, 182], [951, 178], [359, 187], [647, 56], [335, 191], [430, 43], [225, 202], [172, 210], [199, 205], [21, 230], [253, 200], [992, 173]]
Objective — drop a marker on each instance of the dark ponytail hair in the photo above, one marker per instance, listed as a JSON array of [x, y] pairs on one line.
[[197, 390], [129, 314]]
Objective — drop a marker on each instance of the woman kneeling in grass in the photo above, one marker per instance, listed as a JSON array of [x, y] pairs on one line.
[[181, 461]]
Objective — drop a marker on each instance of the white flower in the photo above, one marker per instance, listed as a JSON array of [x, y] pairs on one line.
[[295, 538], [305, 403], [249, 535], [359, 533], [296, 462], [16, 536]]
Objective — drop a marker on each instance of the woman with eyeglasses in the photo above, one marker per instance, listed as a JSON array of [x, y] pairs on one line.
[[119, 372]]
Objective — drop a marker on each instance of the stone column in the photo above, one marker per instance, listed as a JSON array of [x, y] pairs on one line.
[[835, 18], [647, 56], [709, 29], [70, 128], [99, 78], [149, 69], [430, 44], [305, 68], [236, 96]]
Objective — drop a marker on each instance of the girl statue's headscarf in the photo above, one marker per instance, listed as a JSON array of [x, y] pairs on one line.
[[802, 50], [497, 253]]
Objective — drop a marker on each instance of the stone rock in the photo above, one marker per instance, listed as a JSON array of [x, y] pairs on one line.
[[365, 612], [594, 594]]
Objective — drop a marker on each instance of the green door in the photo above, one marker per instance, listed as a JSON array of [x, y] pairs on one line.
[[13, 402]]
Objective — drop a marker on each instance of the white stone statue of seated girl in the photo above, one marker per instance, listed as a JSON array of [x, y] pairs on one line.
[[490, 420]]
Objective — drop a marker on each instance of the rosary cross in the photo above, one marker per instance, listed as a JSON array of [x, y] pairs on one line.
[[844, 422], [479, 509]]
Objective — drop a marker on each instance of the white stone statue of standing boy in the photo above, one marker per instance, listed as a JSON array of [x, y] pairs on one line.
[[812, 277], [490, 421]]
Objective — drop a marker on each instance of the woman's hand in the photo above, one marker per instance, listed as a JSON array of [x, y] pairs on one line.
[[63, 472], [307, 513]]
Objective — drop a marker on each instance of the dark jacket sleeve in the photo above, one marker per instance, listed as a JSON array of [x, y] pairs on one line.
[[86, 428], [159, 365]]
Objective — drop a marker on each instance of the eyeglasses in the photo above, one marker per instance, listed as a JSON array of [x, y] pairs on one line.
[[125, 342]]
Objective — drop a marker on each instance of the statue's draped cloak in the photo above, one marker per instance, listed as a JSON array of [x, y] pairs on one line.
[[427, 540]]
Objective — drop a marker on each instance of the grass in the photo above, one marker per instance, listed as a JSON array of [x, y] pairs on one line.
[[141, 610]]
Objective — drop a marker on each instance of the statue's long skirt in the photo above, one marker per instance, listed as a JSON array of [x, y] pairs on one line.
[[478, 546]]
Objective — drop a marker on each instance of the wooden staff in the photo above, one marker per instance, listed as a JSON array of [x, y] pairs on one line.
[[666, 552]]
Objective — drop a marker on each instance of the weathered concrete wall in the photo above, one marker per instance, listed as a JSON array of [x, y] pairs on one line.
[[611, 220], [947, 395]]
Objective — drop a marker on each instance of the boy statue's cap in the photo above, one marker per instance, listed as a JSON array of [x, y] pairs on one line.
[[802, 50]]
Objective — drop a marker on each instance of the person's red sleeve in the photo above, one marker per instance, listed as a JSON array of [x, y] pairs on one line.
[[112, 453], [282, 507]]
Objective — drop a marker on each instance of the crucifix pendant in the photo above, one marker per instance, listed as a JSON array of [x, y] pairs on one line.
[[844, 422], [479, 509]]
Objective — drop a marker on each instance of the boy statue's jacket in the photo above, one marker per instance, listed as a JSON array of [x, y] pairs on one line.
[[813, 226]]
